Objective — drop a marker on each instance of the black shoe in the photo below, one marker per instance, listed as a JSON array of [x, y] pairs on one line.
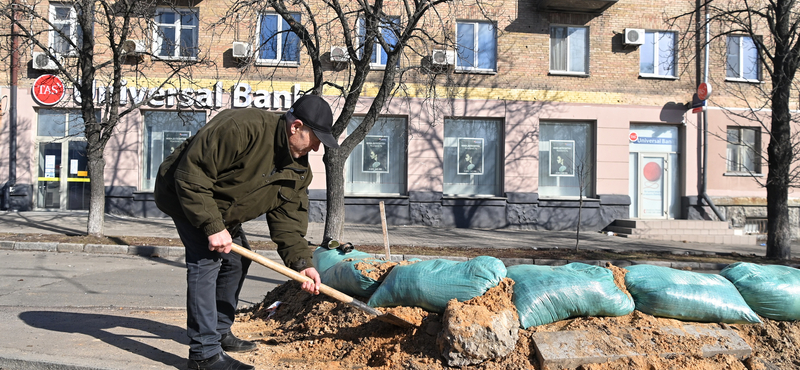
[[220, 361], [230, 343]]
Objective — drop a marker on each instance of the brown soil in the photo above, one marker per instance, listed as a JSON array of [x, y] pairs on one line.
[[315, 332]]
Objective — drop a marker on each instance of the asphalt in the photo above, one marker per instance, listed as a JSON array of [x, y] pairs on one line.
[[73, 306]]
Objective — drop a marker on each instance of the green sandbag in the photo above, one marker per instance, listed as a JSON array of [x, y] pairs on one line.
[[546, 294], [345, 278], [771, 290], [324, 258], [686, 295], [431, 284]]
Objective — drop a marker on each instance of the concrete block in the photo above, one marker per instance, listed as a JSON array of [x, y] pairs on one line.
[[36, 246], [570, 349], [618, 263], [106, 248], [177, 252], [70, 247], [8, 245], [712, 266], [684, 265], [148, 251], [654, 263], [517, 261], [550, 262]]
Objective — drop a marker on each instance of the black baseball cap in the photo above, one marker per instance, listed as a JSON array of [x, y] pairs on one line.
[[315, 113]]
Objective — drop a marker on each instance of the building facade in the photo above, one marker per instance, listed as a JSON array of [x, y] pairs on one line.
[[549, 109]]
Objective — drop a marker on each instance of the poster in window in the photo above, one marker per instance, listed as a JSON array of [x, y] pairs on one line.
[[375, 158], [470, 156], [562, 158], [173, 139]]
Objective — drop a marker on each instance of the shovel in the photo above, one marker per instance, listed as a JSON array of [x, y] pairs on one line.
[[333, 293]]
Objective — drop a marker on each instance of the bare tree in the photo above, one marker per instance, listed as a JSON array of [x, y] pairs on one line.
[[404, 32], [773, 27], [583, 170], [99, 51]]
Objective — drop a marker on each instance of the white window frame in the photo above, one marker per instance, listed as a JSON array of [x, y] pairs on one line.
[[179, 28], [657, 56], [377, 48], [476, 49], [740, 151], [568, 56], [740, 72], [73, 28], [279, 36]]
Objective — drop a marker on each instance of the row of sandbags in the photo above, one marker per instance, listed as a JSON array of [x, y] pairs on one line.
[[546, 294]]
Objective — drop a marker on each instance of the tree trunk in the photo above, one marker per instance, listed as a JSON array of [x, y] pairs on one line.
[[578, 232], [334, 160], [779, 235], [97, 203]]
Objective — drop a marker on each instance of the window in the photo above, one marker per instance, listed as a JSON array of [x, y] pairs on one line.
[[163, 132], [741, 153], [378, 164], [176, 33], [63, 174], [743, 63], [276, 43], [389, 29], [472, 157], [477, 46], [569, 49], [566, 159], [657, 54], [66, 32]]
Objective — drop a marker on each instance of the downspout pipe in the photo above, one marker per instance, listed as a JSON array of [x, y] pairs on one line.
[[12, 111], [704, 182]]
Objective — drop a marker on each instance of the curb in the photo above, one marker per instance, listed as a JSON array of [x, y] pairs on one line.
[[177, 252]]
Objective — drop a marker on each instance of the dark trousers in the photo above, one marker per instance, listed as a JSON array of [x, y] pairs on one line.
[[214, 281]]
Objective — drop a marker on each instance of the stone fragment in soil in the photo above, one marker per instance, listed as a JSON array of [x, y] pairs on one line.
[[481, 328]]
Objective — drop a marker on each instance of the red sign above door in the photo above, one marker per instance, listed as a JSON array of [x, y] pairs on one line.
[[48, 90]]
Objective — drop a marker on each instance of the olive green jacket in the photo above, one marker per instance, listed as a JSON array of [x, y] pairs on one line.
[[236, 168]]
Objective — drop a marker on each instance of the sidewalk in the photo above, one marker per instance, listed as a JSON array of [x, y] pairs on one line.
[[89, 309]]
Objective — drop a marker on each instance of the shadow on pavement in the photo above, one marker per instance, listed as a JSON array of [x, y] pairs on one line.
[[100, 327]]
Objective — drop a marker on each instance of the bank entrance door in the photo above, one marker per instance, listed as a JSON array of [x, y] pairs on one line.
[[62, 182], [654, 172]]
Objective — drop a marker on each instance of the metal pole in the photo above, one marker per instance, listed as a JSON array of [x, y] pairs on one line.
[[12, 116]]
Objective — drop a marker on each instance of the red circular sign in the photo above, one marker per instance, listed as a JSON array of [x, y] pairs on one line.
[[652, 171], [703, 91], [48, 90], [633, 136]]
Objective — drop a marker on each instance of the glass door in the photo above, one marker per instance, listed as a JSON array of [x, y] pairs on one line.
[[653, 173], [48, 194]]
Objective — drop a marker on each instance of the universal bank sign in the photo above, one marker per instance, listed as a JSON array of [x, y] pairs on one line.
[[49, 90]]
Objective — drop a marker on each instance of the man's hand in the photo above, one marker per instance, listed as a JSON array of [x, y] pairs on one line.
[[220, 242], [311, 286]]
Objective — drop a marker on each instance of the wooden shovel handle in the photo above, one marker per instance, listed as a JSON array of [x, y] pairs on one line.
[[294, 275]]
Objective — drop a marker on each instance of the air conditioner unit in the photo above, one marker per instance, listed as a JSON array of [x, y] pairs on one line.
[[43, 62], [134, 47], [241, 49], [339, 54], [443, 57], [634, 36]]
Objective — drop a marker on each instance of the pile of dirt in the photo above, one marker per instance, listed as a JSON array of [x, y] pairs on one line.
[[315, 332]]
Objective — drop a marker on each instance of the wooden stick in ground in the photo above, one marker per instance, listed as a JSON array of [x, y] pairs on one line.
[[385, 233]]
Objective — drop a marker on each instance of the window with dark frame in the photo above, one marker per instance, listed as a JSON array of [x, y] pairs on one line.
[[742, 154]]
